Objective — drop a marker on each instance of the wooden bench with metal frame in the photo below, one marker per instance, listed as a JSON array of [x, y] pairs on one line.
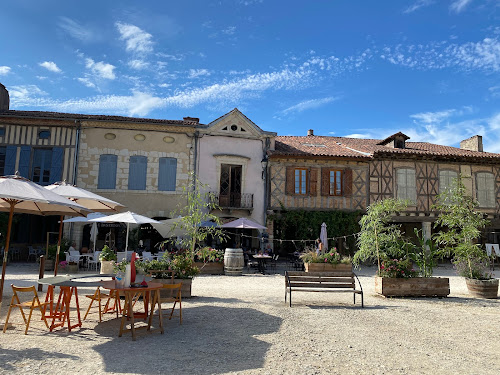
[[333, 281]]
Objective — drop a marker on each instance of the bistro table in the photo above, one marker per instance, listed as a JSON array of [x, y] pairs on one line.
[[128, 309], [261, 259], [60, 313]]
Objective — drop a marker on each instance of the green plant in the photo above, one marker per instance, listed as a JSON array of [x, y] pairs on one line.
[[207, 254], [162, 264], [477, 268], [399, 268], [107, 254], [331, 257], [52, 252], [463, 223], [120, 266], [184, 267], [378, 239], [425, 254], [197, 209]]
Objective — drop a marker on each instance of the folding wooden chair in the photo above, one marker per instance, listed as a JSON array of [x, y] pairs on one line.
[[33, 304], [172, 293], [99, 296]]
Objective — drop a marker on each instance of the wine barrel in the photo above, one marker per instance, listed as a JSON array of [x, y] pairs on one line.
[[233, 262]]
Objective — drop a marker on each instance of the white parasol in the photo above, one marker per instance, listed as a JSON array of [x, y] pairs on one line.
[[20, 195], [126, 217], [324, 237], [243, 223], [94, 230]]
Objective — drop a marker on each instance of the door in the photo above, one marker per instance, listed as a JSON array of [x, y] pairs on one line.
[[230, 185]]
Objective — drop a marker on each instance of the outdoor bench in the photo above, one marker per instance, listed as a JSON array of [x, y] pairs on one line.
[[332, 281]]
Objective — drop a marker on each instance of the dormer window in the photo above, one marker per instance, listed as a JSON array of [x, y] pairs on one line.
[[397, 140]]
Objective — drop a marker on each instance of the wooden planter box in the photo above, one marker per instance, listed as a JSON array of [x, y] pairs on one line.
[[325, 267], [72, 268], [186, 285], [210, 268], [107, 267], [482, 288], [412, 287], [49, 264]]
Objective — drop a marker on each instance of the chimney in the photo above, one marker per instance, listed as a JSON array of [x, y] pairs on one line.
[[310, 132], [4, 98], [191, 119], [474, 143]]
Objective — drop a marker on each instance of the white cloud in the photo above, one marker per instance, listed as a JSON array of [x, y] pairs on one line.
[[25, 95], [359, 135], [195, 73], [87, 82], [100, 68], [432, 117], [51, 66], [138, 64], [164, 85], [417, 5], [483, 55], [308, 104], [229, 31], [136, 39], [459, 5], [4, 70], [76, 30]]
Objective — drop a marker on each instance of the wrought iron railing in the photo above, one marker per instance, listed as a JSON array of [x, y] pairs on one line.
[[232, 200]]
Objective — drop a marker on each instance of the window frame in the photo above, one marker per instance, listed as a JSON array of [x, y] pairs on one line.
[[132, 184], [335, 171], [99, 186], [441, 189], [44, 151], [491, 202], [400, 188], [306, 182]]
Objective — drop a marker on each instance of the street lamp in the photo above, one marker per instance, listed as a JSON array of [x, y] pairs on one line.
[[263, 162]]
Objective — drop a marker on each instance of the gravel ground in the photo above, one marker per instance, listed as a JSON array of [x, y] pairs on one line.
[[241, 325]]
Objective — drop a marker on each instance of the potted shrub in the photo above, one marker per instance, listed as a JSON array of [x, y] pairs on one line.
[[209, 261], [107, 258], [51, 257], [464, 224], [328, 261]]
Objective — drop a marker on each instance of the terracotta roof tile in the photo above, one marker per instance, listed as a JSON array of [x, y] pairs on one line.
[[368, 148]]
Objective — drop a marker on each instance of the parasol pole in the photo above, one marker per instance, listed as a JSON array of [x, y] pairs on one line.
[[126, 241], [58, 245], [12, 203]]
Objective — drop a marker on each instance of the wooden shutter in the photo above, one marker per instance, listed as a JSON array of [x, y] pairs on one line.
[[325, 181], [138, 166], [290, 181], [167, 176], [107, 172], [56, 165], [24, 161], [347, 182], [313, 181], [10, 160]]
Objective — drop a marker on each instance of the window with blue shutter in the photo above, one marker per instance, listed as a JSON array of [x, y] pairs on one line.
[[167, 174], [10, 160], [57, 164], [3, 151], [42, 163], [137, 172], [107, 172], [24, 160]]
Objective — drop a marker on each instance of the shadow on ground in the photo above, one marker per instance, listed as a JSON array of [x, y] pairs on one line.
[[12, 360], [211, 340]]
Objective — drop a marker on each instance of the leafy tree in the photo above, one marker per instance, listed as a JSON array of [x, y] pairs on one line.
[[199, 204], [378, 238], [463, 222]]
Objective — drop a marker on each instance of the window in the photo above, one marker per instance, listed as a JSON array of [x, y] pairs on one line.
[[485, 184], [301, 181], [42, 162], [3, 152], [107, 172], [2, 132], [167, 175], [335, 182], [446, 180], [137, 173], [406, 186], [44, 134]]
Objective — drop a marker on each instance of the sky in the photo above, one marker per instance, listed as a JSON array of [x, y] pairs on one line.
[[369, 69]]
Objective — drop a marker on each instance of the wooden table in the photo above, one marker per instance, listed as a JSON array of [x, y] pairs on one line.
[[128, 310], [60, 313]]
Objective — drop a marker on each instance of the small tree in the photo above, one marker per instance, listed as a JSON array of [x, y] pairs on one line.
[[463, 222], [378, 238], [199, 204]]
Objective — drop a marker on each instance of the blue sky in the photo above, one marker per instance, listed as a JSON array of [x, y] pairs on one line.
[[428, 68]]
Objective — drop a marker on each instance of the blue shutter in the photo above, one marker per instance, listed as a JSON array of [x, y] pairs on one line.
[[107, 172], [56, 165], [137, 173], [24, 161], [167, 174], [10, 160]]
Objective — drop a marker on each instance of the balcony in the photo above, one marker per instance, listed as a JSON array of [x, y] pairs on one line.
[[233, 200]]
